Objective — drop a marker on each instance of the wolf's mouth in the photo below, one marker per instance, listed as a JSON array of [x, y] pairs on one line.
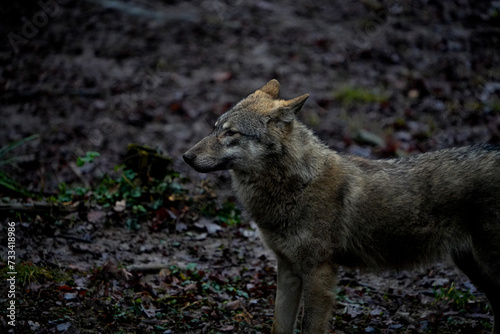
[[206, 165]]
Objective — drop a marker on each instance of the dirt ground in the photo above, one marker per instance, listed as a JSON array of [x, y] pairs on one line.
[[386, 78]]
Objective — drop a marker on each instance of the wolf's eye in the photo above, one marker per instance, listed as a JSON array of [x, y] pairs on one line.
[[230, 133]]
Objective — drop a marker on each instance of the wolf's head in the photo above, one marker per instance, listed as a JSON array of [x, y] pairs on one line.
[[249, 134]]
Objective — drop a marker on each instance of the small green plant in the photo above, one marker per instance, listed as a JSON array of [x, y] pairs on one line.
[[207, 280], [229, 214], [88, 158], [65, 194], [453, 296], [206, 202], [138, 195]]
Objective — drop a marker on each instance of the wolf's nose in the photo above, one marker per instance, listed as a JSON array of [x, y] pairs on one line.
[[189, 158]]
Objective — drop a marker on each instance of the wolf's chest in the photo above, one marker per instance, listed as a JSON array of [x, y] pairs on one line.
[[268, 202]]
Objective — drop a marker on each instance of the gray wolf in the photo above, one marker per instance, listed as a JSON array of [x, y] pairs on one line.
[[317, 209]]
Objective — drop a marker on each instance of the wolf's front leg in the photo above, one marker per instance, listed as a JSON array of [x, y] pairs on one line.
[[318, 290], [287, 298]]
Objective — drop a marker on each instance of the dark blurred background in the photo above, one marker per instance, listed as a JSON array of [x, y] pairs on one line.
[[386, 78]]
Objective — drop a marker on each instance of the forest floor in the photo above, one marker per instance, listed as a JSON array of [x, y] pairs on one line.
[[100, 249]]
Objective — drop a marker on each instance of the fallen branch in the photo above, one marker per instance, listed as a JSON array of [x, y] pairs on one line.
[[36, 207], [147, 268]]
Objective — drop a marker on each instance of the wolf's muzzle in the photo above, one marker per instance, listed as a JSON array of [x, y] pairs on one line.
[[189, 158]]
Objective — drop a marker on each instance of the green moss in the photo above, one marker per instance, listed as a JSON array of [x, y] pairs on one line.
[[349, 95], [28, 272]]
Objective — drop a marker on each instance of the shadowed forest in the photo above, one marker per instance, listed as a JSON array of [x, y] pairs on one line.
[[104, 228]]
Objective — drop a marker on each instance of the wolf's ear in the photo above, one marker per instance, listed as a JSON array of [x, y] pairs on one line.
[[272, 88], [290, 108]]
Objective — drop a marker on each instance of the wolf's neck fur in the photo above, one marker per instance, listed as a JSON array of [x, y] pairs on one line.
[[268, 194]]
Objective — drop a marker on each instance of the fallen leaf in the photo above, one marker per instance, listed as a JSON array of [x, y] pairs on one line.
[[70, 296], [222, 76], [180, 227], [95, 216], [63, 327], [65, 288], [120, 205], [208, 225], [233, 305], [366, 137], [200, 237]]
